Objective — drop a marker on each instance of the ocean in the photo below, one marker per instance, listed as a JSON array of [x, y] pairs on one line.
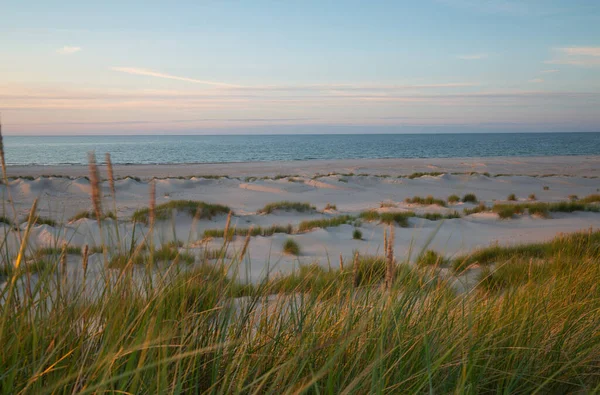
[[60, 150]]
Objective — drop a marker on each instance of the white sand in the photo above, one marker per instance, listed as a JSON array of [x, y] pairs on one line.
[[61, 198]]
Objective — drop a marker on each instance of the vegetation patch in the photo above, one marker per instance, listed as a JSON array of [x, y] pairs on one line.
[[330, 206], [575, 246], [191, 207], [422, 174], [253, 231], [470, 198], [452, 199], [290, 246], [357, 234], [92, 215], [287, 206], [168, 253], [481, 208], [426, 200], [431, 258], [305, 226]]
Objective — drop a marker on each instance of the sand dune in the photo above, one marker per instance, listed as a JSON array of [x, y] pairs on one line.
[[61, 198]]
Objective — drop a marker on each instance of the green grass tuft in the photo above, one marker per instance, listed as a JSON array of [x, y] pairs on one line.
[[287, 206], [190, 207], [453, 199], [305, 226], [290, 246], [469, 198], [426, 200]]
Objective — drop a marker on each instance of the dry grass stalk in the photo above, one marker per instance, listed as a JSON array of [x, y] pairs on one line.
[[152, 211], [390, 272], [385, 242], [95, 183], [341, 263], [355, 276], [246, 244], [111, 176], [226, 232], [63, 261], [84, 260]]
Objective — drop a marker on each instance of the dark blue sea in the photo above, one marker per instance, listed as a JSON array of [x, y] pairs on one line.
[[28, 150]]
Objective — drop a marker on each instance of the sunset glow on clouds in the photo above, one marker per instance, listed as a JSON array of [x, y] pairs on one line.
[[210, 69]]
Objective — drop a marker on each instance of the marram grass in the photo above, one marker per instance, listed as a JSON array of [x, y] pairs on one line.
[[527, 326]]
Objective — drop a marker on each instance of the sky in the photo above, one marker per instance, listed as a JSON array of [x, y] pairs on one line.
[[158, 67]]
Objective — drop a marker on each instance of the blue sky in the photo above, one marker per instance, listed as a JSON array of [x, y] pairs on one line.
[[298, 67]]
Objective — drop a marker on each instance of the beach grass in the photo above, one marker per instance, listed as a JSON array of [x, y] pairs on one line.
[[92, 215], [287, 206], [428, 200], [322, 329], [469, 198], [290, 246], [194, 208]]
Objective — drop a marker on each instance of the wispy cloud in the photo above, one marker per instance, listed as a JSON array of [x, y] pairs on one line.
[[67, 50], [475, 56], [150, 73], [536, 80], [576, 56], [549, 71], [582, 51], [319, 88]]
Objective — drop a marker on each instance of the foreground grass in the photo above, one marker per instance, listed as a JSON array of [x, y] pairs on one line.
[[530, 327]]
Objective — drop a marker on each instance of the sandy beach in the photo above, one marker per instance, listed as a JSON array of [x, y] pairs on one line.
[[351, 186]]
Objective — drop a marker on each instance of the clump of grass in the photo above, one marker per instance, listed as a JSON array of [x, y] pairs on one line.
[[298, 180], [573, 198], [575, 246], [5, 220], [400, 218], [426, 200], [469, 198], [253, 231], [290, 246], [506, 211], [38, 220], [546, 188], [167, 253], [387, 205], [70, 250], [431, 258], [590, 199], [543, 209], [330, 206], [452, 199], [512, 197], [439, 216], [191, 207], [287, 206], [421, 174], [532, 197], [92, 215], [305, 226], [369, 215], [357, 234], [539, 211], [477, 209]]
